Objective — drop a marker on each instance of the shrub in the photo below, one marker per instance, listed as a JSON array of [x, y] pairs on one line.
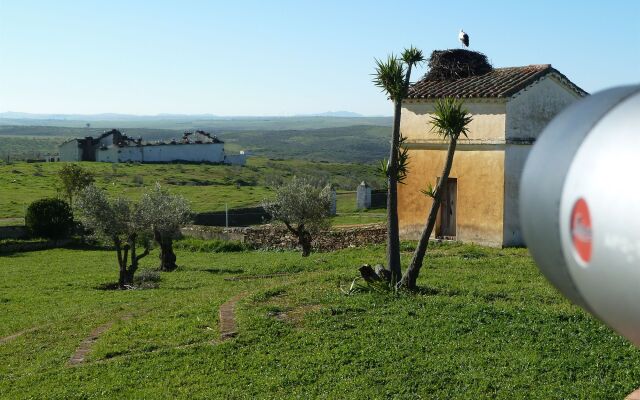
[[49, 218], [147, 275], [147, 279]]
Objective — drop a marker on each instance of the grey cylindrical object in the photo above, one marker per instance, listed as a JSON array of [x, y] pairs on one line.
[[580, 206]]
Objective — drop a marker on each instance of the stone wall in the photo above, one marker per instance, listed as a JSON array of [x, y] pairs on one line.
[[274, 237], [20, 247], [13, 232]]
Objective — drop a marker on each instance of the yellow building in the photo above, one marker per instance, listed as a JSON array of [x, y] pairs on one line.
[[510, 107]]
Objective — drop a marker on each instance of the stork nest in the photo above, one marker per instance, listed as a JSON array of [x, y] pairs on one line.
[[456, 63]]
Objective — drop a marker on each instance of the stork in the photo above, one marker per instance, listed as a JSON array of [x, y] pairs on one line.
[[464, 38]]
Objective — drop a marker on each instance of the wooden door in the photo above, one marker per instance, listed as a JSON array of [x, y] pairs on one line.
[[447, 226]]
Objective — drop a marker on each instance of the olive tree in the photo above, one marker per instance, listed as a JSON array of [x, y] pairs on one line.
[[118, 222], [164, 214], [73, 179], [303, 208]]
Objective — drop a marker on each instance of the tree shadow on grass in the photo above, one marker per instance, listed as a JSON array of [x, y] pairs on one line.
[[435, 291], [223, 270]]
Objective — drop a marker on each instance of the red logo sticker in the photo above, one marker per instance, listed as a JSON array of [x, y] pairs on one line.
[[581, 230]]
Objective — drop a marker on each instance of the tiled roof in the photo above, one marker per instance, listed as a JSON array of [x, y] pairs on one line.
[[499, 83]]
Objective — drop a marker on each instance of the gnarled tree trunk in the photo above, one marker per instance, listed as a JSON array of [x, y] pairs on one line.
[[167, 256], [304, 239], [127, 272]]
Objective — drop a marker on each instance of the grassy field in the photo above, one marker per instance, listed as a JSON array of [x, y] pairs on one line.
[[486, 325], [332, 141], [208, 187]]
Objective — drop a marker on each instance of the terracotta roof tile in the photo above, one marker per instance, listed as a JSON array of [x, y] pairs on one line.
[[499, 83]]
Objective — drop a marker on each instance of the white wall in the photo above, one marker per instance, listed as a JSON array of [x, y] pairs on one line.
[[130, 153], [110, 154], [235, 159], [529, 111], [70, 151], [206, 152], [514, 159]]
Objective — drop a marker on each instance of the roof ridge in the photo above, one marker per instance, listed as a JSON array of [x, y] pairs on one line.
[[499, 83], [541, 66]]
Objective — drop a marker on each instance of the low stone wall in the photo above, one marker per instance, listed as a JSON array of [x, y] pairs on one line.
[[20, 247], [13, 232], [273, 237], [213, 232]]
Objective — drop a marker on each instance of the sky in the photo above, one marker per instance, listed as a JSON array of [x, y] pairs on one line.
[[281, 57]]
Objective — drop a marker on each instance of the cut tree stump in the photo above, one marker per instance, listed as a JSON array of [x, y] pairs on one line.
[[633, 396]]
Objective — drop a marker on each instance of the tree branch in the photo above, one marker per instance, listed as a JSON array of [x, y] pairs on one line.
[[144, 253], [295, 232]]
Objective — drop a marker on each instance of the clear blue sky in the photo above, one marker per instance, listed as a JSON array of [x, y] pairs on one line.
[[283, 57]]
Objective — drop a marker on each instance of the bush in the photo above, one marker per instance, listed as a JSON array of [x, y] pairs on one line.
[[147, 279], [49, 218]]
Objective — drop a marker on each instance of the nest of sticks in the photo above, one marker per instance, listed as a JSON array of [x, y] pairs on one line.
[[456, 63]]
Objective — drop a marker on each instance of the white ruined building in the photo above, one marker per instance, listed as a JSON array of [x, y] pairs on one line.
[[114, 146]]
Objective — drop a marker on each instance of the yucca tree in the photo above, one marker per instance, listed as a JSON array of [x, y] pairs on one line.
[[450, 120], [393, 77]]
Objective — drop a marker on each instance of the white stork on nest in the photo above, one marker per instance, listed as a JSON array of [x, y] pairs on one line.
[[464, 38]]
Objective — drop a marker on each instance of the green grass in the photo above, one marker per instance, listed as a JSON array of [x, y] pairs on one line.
[[365, 217], [485, 326], [207, 187]]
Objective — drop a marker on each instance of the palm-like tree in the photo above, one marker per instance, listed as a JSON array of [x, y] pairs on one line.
[[450, 120], [393, 77]]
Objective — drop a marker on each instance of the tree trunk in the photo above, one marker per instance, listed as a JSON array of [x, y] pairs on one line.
[[122, 264], [167, 256], [126, 278], [411, 275], [304, 238], [393, 234], [393, 225]]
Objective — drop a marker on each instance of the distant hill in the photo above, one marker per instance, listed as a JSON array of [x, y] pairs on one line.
[[178, 121], [346, 114]]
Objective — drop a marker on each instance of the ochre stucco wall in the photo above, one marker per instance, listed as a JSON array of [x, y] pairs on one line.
[[488, 120], [480, 195]]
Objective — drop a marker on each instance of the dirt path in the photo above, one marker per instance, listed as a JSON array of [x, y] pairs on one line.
[[252, 277], [227, 320], [85, 346], [15, 335]]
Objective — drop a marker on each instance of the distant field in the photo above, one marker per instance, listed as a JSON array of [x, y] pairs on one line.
[[361, 143], [358, 143], [23, 147], [208, 187]]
